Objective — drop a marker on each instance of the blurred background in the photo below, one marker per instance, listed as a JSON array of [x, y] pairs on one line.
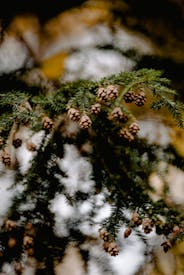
[[63, 41]]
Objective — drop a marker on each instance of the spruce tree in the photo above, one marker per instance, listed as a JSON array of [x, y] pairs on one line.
[[94, 122]]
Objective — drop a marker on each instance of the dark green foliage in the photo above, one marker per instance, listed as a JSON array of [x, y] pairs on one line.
[[121, 169]]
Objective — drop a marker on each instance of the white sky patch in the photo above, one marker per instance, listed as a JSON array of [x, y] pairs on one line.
[[98, 35], [23, 155], [61, 207], [85, 208], [78, 170], [12, 55], [8, 269], [127, 40], [94, 64], [63, 212], [154, 131], [103, 213], [6, 192]]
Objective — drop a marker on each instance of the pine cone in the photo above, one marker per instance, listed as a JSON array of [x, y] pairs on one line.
[[134, 128], [129, 97], [47, 123], [10, 225], [31, 146], [102, 94], [127, 232], [27, 242], [118, 114], [126, 134], [73, 114], [85, 122], [104, 235], [136, 219], [12, 242], [112, 92], [6, 159], [166, 245], [108, 93], [113, 249], [17, 142], [147, 225], [96, 108], [140, 99]]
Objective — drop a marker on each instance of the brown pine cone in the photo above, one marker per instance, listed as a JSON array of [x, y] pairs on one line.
[[124, 133], [140, 99], [10, 225], [85, 122], [136, 219], [17, 142], [129, 97], [166, 245], [118, 114], [12, 242], [27, 242], [147, 225], [31, 146], [6, 159], [104, 235], [96, 108], [102, 94], [134, 128], [73, 114], [112, 92], [127, 232], [113, 249], [47, 123]]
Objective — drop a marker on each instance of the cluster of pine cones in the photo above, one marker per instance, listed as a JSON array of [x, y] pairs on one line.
[[147, 227], [109, 246], [12, 229], [105, 96]]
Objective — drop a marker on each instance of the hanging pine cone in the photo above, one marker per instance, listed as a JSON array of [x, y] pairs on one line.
[[104, 235], [12, 242], [140, 99], [113, 249], [47, 123], [102, 94], [127, 232], [10, 225], [85, 122], [134, 128], [108, 93], [136, 219], [147, 225], [6, 159], [124, 133], [112, 92], [96, 108], [17, 142], [129, 97], [73, 114], [117, 114], [166, 245], [31, 146], [27, 242]]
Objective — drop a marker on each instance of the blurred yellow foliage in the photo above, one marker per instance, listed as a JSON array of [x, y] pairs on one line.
[[53, 66]]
